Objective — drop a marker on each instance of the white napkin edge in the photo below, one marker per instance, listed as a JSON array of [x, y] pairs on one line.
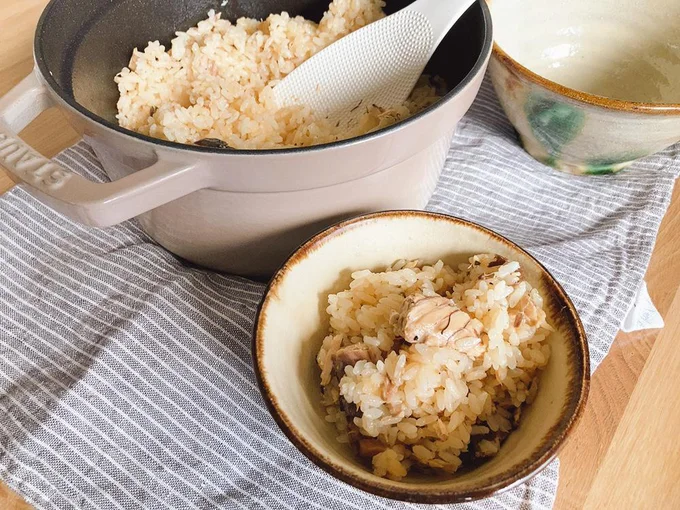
[[642, 313]]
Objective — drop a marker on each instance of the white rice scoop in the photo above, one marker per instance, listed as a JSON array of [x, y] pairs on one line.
[[378, 64]]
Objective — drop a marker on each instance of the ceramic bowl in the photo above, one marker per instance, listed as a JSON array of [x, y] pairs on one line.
[[291, 326], [590, 86]]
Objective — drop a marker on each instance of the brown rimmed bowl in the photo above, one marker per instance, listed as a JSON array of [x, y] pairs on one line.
[[291, 324]]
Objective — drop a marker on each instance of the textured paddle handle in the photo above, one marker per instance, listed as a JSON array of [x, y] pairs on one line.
[[378, 64], [98, 204], [442, 15]]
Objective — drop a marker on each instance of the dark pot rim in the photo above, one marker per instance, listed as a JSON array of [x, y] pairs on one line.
[[479, 65]]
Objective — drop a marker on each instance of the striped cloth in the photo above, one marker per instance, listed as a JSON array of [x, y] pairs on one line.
[[126, 379]]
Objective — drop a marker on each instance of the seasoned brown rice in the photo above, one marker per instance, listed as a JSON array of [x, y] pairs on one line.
[[216, 81], [426, 367]]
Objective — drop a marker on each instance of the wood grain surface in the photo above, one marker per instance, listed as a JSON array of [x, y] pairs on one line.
[[623, 455]]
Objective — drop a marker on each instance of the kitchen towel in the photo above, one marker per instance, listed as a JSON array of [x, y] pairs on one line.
[[126, 378]]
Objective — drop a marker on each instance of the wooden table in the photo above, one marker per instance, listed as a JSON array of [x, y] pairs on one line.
[[625, 452]]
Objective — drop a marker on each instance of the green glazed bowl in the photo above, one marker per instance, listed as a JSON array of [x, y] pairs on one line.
[[589, 86]]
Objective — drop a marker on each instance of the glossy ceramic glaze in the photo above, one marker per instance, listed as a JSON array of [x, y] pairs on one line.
[[237, 211], [291, 325], [590, 86]]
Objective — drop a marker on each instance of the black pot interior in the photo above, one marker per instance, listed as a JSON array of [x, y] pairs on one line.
[[83, 44]]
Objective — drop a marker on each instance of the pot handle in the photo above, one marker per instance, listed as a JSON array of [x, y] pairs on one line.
[[92, 203]]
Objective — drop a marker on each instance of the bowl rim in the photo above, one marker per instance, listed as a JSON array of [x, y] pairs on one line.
[[413, 493], [585, 97], [479, 66]]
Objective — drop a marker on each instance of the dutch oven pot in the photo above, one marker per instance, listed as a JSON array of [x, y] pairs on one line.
[[236, 211]]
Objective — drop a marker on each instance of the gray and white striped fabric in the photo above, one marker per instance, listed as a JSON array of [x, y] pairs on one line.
[[126, 378]]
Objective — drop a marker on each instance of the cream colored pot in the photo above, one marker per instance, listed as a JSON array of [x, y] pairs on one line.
[[236, 211]]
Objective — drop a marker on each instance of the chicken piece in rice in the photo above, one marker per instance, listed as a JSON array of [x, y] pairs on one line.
[[435, 320], [425, 365]]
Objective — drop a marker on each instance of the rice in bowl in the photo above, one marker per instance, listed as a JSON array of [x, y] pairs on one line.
[[216, 81], [426, 367]]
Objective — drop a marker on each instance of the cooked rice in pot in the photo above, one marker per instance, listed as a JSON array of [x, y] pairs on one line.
[[216, 82], [426, 367]]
